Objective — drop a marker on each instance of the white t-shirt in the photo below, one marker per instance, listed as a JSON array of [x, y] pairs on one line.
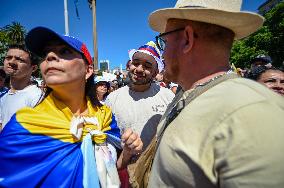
[[140, 111], [11, 102]]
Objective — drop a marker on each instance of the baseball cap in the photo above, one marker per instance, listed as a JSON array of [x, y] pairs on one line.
[[102, 79], [264, 58], [37, 39]]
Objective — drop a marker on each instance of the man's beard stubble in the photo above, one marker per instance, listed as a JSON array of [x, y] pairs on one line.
[[171, 75], [139, 82]]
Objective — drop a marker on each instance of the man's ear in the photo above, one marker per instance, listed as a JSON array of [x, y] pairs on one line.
[[128, 65], [155, 72], [188, 39], [89, 71]]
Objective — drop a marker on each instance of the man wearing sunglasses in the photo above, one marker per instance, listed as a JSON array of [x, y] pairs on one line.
[[224, 131]]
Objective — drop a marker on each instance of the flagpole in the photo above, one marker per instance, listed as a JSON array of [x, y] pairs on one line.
[[66, 18], [95, 35]]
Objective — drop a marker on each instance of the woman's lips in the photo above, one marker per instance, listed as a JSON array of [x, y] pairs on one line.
[[52, 69]]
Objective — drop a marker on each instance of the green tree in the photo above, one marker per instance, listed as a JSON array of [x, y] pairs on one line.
[[268, 40], [15, 33], [275, 22], [3, 46], [11, 34]]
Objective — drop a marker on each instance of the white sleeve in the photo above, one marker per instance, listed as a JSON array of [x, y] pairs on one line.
[[35, 97]]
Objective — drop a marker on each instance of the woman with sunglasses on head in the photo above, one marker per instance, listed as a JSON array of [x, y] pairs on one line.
[[69, 139], [102, 88]]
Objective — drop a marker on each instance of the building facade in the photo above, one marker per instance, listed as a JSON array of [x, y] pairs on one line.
[[104, 65]]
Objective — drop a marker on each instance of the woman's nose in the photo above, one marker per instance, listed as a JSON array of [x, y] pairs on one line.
[[51, 56]]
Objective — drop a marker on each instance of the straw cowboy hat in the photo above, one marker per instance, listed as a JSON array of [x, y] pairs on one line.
[[225, 13]]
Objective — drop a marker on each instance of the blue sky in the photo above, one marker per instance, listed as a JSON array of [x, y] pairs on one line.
[[121, 24]]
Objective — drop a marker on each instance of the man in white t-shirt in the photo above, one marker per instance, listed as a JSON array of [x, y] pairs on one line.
[[19, 64], [141, 103]]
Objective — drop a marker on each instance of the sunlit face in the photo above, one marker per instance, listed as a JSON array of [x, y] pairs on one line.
[[170, 56], [142, 69], [17, 64], [273, 79], [63, 66]]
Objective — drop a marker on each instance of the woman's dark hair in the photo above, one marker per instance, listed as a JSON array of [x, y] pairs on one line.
[[90, 91]]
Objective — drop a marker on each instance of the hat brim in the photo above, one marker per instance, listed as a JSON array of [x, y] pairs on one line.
[[37, 39], [241, 23]]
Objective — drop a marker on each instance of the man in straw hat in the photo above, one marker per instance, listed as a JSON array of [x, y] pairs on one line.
[[231, 134]]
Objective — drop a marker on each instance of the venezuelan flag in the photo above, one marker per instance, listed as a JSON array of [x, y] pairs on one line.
[[38, 150]]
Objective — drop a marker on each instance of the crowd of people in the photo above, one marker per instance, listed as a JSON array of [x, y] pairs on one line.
[[263, 72], [180, 117]]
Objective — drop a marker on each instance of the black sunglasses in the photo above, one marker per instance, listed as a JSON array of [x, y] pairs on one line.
[[161, 43]]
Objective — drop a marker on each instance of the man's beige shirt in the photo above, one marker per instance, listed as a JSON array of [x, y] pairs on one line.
[[230, 136]]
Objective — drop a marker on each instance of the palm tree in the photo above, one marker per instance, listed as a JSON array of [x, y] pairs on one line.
[[3, 46], [10, 34], [15, 33]]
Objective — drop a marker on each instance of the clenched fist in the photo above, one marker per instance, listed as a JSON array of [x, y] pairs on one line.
[[132, 145], [132, 142]]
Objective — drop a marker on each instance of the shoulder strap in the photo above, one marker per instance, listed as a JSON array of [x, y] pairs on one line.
[[194, 94]]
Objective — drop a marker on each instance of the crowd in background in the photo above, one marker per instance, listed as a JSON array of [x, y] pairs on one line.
[[263, 71], [110, 82]]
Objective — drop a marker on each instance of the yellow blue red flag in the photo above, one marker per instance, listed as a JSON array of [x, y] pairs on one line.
[[38, 150]]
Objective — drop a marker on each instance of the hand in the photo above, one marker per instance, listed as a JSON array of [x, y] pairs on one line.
[[132, 143]]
